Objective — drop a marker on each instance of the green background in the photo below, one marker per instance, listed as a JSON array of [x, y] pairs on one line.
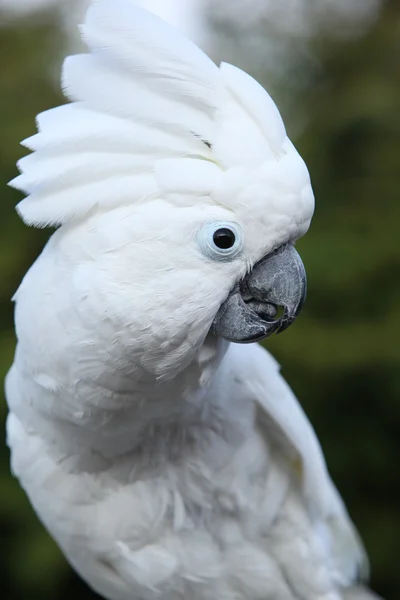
[[341, 357]]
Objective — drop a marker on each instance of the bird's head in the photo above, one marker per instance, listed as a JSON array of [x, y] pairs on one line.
[[177, 191]]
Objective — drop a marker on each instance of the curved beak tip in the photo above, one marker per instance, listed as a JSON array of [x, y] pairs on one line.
[[248, 314]]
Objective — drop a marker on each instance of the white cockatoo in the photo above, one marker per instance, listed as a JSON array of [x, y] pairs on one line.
[[168, 459]]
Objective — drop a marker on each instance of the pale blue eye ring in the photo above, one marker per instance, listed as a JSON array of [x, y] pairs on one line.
[[221, 240]]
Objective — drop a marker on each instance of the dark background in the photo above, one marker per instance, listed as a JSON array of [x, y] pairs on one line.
[[341, 357]]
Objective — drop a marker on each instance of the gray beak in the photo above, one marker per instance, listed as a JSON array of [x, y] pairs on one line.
[[250, 313]]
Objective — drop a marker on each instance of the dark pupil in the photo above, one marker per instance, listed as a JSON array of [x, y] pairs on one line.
[[224, 238]]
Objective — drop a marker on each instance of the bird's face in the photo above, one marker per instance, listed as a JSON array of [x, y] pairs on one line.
[[170, 273]]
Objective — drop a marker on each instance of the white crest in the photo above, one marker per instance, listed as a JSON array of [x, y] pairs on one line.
[[144, 94]]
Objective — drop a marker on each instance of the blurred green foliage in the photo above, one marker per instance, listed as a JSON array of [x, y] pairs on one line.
[[342, 355]]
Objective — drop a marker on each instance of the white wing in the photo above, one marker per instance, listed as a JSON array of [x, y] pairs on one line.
[[284, 423]]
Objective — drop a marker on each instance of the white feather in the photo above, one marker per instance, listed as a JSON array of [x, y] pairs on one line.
[[257, 103], [74, 127], [54, 207], [151, 50], [165, 462], [143, 90], [89, 78]]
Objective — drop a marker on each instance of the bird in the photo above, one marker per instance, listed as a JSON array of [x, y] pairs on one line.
[[154, 436]]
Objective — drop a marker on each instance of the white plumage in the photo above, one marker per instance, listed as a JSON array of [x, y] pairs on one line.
[[166, 462]]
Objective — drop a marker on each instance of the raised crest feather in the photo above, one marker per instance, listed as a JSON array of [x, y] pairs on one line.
[[142, 94]]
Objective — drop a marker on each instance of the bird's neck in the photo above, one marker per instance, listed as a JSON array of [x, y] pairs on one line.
[[158, 415]]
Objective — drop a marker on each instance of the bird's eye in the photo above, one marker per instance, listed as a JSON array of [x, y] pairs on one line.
[[221, 240], [224, 238]]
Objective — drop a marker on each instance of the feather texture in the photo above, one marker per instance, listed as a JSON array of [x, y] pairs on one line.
[[166, 462], [142, 94]]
